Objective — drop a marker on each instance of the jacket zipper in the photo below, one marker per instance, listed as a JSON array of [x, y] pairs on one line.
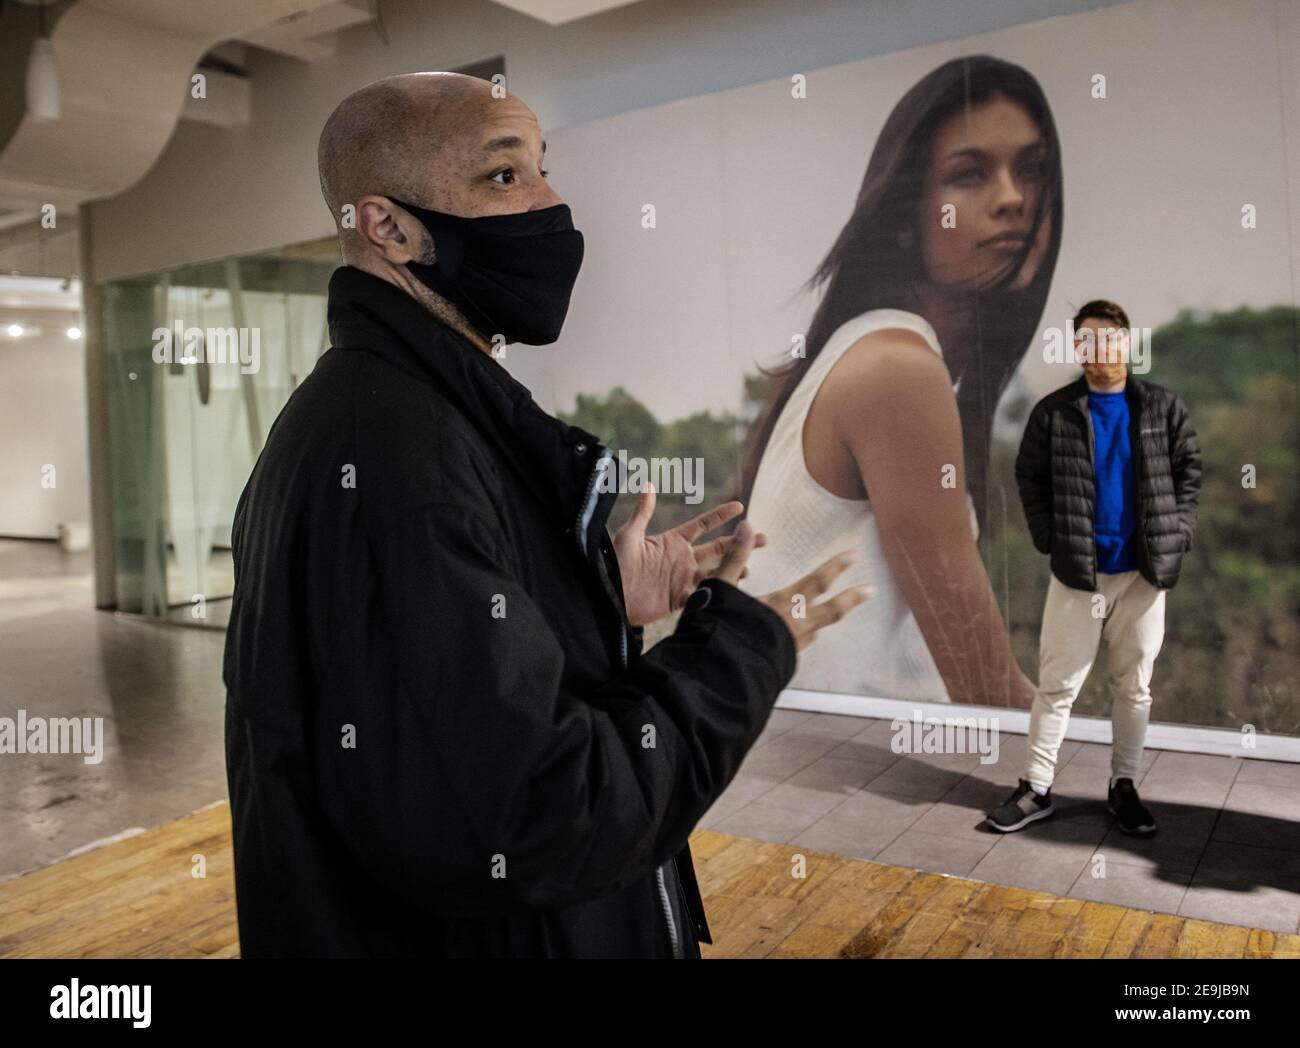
[[585, 508], [1139, 460], [1092, 464], [668, 912], [580, 530]]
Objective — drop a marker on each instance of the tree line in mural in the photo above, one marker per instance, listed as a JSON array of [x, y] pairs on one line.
[[1231, 655]]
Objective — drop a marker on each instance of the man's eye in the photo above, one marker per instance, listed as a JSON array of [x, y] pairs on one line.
[[500, 174]]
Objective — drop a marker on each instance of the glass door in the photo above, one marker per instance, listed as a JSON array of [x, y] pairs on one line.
[[202, 359]]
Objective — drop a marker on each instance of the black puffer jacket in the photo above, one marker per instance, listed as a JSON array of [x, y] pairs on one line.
[[442, 739], [1054, 472]]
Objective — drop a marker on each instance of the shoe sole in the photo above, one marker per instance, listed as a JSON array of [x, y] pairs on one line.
[[1140, 831], [1033, 817]]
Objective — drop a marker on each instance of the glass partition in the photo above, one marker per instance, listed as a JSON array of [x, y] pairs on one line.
[[200, 361]]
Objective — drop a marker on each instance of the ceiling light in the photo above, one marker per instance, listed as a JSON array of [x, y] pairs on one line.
[[42, 77]]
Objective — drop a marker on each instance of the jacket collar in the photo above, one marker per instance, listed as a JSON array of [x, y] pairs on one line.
[[555, 460]]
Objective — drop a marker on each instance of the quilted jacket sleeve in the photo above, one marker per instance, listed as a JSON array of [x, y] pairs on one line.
[[1034, 476], [1185, 458]]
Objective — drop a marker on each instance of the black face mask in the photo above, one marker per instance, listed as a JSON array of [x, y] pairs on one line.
[[511, 275]]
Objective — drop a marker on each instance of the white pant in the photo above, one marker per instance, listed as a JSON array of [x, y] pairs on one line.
[[1130, 614]]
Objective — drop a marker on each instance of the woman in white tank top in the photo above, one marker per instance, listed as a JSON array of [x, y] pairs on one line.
[[878, 649], [875, 440]]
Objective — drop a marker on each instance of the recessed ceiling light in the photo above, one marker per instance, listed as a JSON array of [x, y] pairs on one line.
[[15, 330], [74, 332]]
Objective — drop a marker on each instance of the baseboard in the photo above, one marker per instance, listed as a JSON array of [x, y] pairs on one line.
[[1180, 737]]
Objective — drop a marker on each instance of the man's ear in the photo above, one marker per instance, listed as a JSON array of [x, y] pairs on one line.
[[392, 232]]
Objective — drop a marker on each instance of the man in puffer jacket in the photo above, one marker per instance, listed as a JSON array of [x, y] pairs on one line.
[[1109, 473]]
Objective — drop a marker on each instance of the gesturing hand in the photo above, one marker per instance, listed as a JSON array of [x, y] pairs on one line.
[[661, 571], [794, 603]]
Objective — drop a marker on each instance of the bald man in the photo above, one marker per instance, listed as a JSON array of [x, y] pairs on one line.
[[442, 736]]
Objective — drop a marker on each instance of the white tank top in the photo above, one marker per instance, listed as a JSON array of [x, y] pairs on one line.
[[877, 649]]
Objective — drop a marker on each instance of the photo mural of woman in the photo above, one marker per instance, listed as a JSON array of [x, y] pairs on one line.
[[878, 436]]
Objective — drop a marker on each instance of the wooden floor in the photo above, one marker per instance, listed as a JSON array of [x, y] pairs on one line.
[[138, 898]]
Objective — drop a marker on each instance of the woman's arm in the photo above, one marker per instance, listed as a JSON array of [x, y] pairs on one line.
[[892, 407]]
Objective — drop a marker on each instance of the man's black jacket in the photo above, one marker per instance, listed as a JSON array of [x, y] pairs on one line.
[[433, 745], [1054, 472]]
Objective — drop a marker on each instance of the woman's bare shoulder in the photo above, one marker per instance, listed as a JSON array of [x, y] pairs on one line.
[[892, 343], [886, 364]]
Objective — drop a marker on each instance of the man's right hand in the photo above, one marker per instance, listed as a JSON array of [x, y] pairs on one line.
[[802, 617]]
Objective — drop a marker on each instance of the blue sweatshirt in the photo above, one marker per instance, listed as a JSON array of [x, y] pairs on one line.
[[1115, 523]]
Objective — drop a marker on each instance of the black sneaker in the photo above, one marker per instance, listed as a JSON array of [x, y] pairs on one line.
[[1020, 809], [1124, 803]]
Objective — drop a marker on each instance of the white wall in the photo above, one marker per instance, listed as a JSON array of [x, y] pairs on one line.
[[42, 422], [217, 192]]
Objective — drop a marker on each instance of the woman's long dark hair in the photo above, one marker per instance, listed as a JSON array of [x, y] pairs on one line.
[[870, 268]]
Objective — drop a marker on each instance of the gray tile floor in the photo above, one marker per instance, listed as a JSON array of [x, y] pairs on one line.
[[1228, 846], [157, 687]]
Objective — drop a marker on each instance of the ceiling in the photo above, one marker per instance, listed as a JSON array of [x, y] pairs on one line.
[[124, 70]]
